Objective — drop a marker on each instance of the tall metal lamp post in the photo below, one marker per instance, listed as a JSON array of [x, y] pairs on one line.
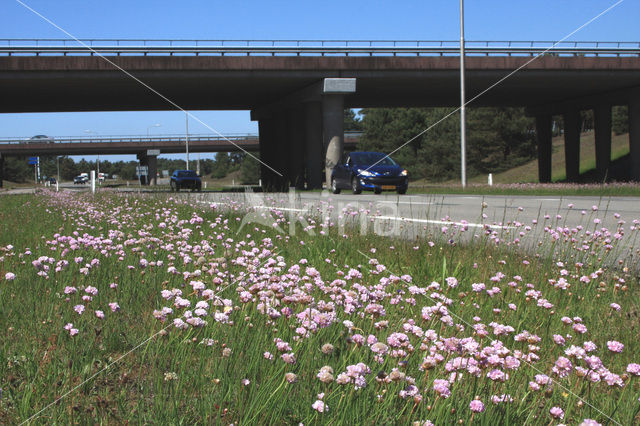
[[186, 117], [463, 136]]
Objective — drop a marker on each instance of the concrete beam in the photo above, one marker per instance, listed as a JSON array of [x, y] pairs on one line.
[[602, 122], [611, 97], [634, 135], [311, 93], [572, 144], [543, 134]]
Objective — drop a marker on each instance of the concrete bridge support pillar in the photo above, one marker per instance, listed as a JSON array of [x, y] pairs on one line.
[[634, 135], [1, 169], [282, 150], [332, 131], [151, 161], [602, 122], [266, 129], [543, 134], [295, 118], [313, 144], [572, 144]]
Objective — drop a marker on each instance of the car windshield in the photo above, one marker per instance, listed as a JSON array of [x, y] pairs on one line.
[[187, 173], [368, 158]]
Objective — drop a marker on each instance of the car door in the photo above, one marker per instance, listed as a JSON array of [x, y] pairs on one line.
[[343, 174]]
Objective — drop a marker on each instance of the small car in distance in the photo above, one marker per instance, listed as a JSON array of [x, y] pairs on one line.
[[372, 171], [79, 180], [181, 179], [40, 139]]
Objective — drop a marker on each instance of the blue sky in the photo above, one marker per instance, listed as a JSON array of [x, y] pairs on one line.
[[329, 19]]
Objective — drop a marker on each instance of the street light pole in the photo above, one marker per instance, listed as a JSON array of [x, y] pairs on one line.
[[186, 116], [463, 136], [153, 125]]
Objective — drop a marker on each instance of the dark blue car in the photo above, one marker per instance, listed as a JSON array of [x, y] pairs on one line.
[[373, 171], [181, 179]]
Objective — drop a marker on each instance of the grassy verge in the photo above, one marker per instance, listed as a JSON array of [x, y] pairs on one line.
[[336, 327]]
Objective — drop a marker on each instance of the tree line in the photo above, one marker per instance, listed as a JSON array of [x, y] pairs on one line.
[[497, 139]]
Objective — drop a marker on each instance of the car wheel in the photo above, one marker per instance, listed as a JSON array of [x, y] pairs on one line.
[[377, 190], [173, 186], [355, 186], [177, 187], [401, 191], [334, 186]]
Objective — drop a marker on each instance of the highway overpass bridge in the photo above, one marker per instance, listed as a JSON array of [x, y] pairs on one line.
[[146, 148], [297, 90]]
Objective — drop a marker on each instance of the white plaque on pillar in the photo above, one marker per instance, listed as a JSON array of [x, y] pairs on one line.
[[339, 85], [153, 152]]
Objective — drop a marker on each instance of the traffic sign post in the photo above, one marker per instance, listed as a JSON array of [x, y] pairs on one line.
[[142, 172], [35, 162]]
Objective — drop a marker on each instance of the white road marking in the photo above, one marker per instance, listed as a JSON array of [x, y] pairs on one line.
[[441, 222]]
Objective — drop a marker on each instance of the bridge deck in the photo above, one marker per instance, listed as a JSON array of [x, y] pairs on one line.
[[138, 144]]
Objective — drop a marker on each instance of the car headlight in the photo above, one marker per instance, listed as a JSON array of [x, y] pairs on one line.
[[404, 172], [365, 173]]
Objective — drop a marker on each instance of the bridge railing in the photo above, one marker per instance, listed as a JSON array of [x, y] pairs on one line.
[[130, 138], [165, 47]]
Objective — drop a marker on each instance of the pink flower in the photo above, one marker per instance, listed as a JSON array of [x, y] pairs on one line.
[[289, 358], [558, 339], [100, 314], [320, 406], [633, 369], [442, 388], [562, 367], [557, 412], [476, 406], [72, 331], [615, 346], [79, 309], [114, 307], [9, 276]]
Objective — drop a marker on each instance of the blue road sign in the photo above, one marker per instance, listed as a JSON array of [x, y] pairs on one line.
[[33, 160]]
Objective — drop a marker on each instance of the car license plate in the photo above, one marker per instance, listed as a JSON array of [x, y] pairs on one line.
[[388, 187]]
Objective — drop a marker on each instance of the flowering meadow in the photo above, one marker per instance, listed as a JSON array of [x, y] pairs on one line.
[[160, 309]]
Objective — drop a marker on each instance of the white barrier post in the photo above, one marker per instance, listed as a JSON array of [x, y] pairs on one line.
[[93, 181], [490, 179]]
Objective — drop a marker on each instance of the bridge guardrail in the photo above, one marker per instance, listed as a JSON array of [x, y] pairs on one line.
[[114, 47]]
